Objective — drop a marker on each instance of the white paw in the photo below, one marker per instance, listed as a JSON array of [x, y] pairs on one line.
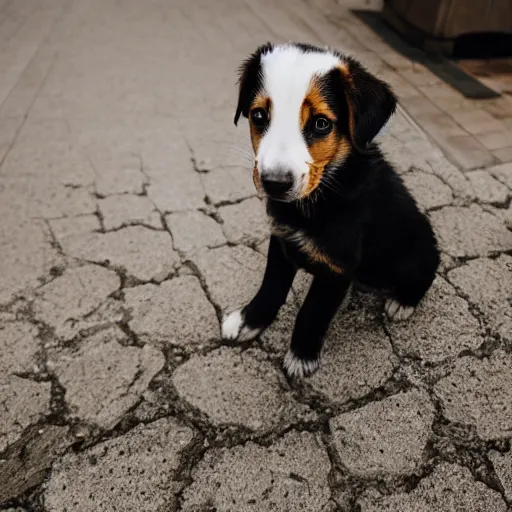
[[396, 311], [299, 368], [234, 328]]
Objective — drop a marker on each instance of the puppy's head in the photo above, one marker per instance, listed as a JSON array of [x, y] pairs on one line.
[[308, 108]]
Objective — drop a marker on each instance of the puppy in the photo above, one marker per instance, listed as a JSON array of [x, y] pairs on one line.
[[337, 208]]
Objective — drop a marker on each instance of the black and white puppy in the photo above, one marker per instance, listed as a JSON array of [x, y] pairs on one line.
[[337, 209]]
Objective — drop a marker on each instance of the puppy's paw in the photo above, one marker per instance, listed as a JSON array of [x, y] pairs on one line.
[[235, 328], [296, 368], [396, 311]]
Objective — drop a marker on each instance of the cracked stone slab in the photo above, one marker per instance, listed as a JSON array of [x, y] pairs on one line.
[[503, 173], [143, 253], [503, 214], [262, 247], [487, 284], [428, 190], [502, 463], [449, 488], [276, 339], [172, 192], [175, 312], [18, 348], [69, 202], [228, 185], [237, 388], [486, 188], [44, 147], [128, 210], [479, 392], [194, 230], [470, 232], [450, 175], [48, 198], [27, 254], [22, 403], [245, 222], [357, 358], [27, 460], [385, 437], [403, 156], [441, 327], [138, 467], [63, 302], [217, 144], [233, 274], [73, 227], [126, 180], [291, 474], [103, 379]]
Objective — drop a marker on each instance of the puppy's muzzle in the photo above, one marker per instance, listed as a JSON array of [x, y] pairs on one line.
[[277, 184]]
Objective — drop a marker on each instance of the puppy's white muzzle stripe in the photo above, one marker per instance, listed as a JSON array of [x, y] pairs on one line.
[[288, 73]]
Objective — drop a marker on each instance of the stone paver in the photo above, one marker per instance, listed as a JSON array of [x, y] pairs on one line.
[[172, 193], [357, 359], [503, 173], [386, 437], [289, 475], [428, 190], [143, 253], [67, 229], [127, 180], [470, 232], [450, 488], [503, 466], [245, 221], [103, 379], [251, 393], [479, 393], [130, 223], [176, 312], [194, 230], [228, 185], [23, 402], [73, 295], [134, 471], [233, 274], [487, 189], [19, 348], [488, 285], [27, 254], [128, 210], [441, 327]]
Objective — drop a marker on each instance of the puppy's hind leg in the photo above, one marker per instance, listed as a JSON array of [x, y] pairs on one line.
[[407, 295], [324, 298], [247, 323]]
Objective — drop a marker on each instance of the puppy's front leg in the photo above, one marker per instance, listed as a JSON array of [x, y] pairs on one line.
[[246, 323], [325, 296]]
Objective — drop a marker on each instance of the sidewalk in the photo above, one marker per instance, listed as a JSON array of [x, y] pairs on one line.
[[129, 223]]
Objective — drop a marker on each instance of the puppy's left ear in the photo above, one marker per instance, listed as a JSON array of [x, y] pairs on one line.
[[250, 81], [370, 103]]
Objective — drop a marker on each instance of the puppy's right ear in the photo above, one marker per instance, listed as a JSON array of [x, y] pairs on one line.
[[250, 81]]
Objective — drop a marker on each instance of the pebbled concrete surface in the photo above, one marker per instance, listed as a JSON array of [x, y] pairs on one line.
[[130, 224]]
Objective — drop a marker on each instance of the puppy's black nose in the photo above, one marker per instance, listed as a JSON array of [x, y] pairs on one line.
[[277, 184]]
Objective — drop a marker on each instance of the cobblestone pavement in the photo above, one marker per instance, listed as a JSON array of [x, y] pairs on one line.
[[129, 223]]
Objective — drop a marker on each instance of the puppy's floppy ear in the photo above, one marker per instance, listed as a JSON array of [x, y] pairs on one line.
[[370, 103], [250, 81]]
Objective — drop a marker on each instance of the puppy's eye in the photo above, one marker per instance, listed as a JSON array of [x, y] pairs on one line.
[[259, 117], [322, 125]]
